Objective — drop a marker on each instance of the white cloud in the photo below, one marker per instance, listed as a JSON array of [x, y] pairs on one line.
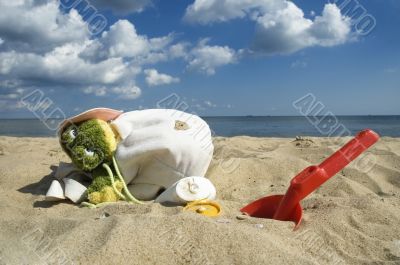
[[98, 91], [154, 78], [123, 6], [127, 92], [41, 46], [331, 28], [130, 91], [179, 50], [207, 11], [44, 47], [122, 40], [205, 58], [63, 65], [37, 26], [281, 27]]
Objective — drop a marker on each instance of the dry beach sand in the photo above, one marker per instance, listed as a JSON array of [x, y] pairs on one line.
[[353, 219]]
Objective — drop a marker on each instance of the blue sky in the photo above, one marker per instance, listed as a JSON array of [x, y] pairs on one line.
[[219, 57]]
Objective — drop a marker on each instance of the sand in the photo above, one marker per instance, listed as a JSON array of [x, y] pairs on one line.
[[354, 218]]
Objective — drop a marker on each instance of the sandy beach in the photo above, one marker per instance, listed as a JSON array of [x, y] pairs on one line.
[[352, 219]]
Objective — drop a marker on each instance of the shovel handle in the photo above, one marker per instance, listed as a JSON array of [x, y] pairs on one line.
[[313, 177]]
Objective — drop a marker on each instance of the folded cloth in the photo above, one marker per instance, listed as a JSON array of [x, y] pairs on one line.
[[160, 146], [69, 183]]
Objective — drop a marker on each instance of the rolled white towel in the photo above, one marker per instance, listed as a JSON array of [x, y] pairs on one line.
[[187, 190]]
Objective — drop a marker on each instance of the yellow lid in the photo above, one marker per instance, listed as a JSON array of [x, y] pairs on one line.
[[204, 207]]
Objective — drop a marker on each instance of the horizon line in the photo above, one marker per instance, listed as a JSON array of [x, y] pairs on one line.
[[242, 116]]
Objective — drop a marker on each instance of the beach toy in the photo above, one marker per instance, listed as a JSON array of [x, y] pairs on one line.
[[55, 192], [204, 207], [91, 146], [287, 207], [145, 149], [187, 190]]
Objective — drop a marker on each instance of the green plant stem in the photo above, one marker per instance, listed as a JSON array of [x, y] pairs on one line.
[[111, 175], [130, 196]]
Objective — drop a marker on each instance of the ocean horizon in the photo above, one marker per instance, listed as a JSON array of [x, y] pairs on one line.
[[256, 126]]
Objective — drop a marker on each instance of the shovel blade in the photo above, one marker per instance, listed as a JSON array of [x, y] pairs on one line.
[[266, 208]]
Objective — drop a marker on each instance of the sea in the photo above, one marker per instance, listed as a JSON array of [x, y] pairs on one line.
[[257, 126]]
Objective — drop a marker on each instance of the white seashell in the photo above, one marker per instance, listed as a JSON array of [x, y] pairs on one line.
[[74, 191], [55, 192], [188, 189]]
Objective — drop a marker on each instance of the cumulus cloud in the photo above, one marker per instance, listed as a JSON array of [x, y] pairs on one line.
[[281, 26], [121, 92], [288, 31], [205, 58], [179, 50], [122, 6], [63, 65], [123, 41], [29, 25], [207, 11], [98, 91], [44, 47], [154, 78], [126, 92]]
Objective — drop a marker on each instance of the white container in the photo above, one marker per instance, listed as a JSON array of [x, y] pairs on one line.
[[187, 190], [55, 192], [74, 191]]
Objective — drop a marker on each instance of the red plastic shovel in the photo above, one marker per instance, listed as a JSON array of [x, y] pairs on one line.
[[287, 207]]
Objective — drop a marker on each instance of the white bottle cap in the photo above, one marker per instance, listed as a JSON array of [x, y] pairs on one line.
[[187, 190]]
